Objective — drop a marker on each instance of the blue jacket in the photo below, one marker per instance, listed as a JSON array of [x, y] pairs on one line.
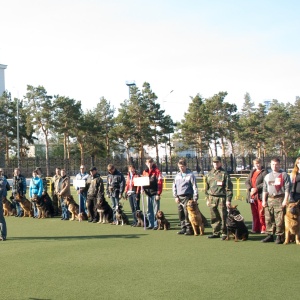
[[35, 187]]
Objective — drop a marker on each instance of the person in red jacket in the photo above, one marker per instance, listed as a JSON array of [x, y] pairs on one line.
[[132, 192], [254, 184], [153, 191]]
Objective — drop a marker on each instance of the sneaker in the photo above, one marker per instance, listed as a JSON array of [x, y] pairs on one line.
[[213, 236], [181, 231], [224, 237], [150, 227], [2, 239], [155, 228], [268, 239], [278, 240], [263, 232]]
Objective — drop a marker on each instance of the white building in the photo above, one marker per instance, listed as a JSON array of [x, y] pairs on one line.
[[2, 79]]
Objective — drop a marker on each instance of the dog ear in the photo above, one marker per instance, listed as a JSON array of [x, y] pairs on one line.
[[234, 207]]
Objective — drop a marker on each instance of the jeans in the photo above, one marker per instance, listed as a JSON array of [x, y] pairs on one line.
[[3, 229], [153, 207], [19, 209], [82, 202], [114, 203], [64, 210], [35, 210], [133, 205]]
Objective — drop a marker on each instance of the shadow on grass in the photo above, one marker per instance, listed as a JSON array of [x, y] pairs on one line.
[[77, 237]]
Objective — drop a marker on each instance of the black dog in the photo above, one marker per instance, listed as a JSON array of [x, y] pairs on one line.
[[105, 211], [140, 219], [236, 225], [44, 206], [121, 217]]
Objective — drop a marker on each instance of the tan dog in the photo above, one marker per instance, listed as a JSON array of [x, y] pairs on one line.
[[195, 217], [292, 223], [8, 208], [73, 207], [162, 222], [25, 204]]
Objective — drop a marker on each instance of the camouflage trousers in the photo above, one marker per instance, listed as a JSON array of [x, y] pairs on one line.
[[218, 214], [274, 216]]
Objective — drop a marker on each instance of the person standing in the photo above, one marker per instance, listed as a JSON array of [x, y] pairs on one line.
[[64, 191], [276, 191], [184, 189], [35, 191], [81, 191], [18, 187], [295, 179], [132, 192], [54, 184], [254, 184], [3, 194], [95, 191], [219, 192], [115, 187], [153, 191]]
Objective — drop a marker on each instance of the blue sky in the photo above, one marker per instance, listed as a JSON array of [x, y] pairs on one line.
[[87, 49]]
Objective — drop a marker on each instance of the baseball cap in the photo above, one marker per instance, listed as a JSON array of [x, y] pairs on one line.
[[216, 158]]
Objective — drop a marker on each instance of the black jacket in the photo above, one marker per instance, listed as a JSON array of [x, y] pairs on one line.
[[259, 183], [115, 184]]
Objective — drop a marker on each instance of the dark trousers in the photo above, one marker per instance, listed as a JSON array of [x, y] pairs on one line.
[[91, 207], [183, 213]]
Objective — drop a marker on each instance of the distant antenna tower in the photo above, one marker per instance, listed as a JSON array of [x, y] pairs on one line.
[[130, 84]]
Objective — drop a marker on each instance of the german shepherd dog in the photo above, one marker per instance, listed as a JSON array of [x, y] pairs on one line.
[[73, 207], [140, 219], [292, 223], [195, 217], [25, 204], [121, 217], [44, 206], [162, 222], [9, 208], [236, 225], [105, 211]]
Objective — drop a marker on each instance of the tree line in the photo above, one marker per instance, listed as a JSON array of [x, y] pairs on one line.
[[211, 126]]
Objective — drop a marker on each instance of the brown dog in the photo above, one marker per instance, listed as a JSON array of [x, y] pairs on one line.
[[8, 208], [162, 222], [195, 217], [292, 223], [25, 204], [73, 207], [140, 219]]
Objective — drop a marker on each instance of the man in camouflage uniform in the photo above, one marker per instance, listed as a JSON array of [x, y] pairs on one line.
[[276, 190], [218, 189]]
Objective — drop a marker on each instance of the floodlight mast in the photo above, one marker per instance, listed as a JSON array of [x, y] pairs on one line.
[[130, 83]]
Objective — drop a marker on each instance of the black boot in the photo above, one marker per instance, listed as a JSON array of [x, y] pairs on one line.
[[268, 239], [279, 239]]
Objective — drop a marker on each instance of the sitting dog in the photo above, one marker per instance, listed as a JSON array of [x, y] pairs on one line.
[[195, 217], [105, 211], [292, 223], [44, 206], [73, 207], [236, 225], [25, 204], [9, 208], [140, 219], [162, 222], [121, 216]]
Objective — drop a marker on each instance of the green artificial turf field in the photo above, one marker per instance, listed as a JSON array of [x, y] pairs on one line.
[[54, 259]]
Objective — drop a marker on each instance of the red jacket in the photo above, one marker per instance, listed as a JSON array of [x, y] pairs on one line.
[[155, 178], [130, 184]]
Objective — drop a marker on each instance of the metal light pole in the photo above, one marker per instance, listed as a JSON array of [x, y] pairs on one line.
[[18, 134], [130, 84]]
